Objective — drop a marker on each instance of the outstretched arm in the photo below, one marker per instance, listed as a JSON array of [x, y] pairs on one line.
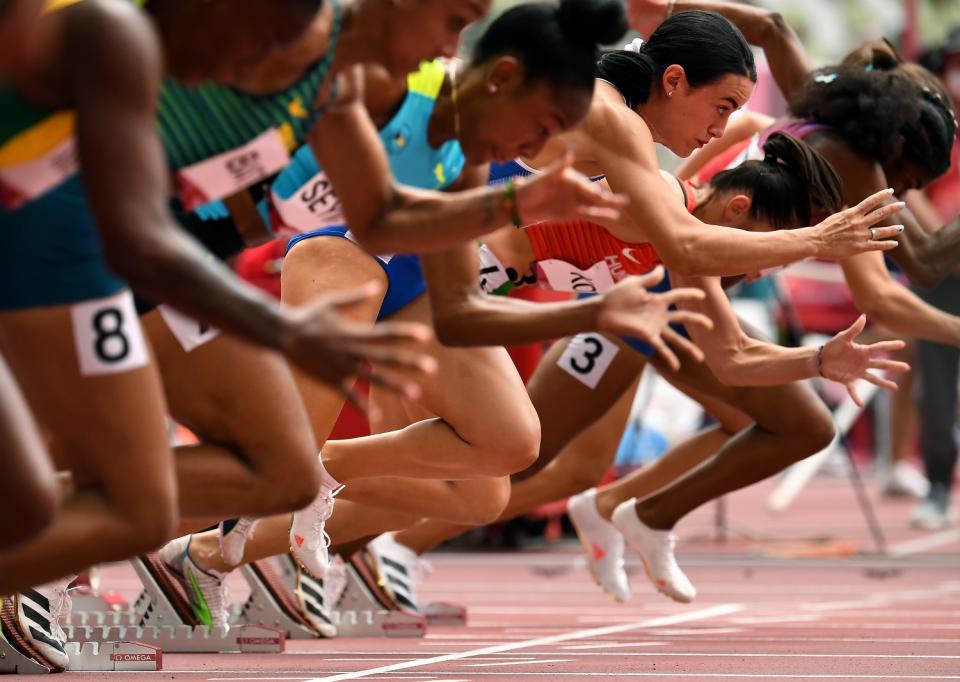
[[623, 147], [740, 360], [386, 217], [890, 304]]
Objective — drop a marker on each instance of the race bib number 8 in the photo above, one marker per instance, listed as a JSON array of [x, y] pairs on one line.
[[107, 335], [587, 358], [189, 332]]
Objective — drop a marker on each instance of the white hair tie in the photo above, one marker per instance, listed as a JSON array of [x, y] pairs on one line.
[[634, 45]]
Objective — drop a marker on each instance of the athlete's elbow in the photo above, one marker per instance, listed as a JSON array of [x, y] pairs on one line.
[[450, 330], [681, 258]]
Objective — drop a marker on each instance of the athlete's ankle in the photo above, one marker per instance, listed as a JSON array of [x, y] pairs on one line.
[[606, 502], [204, 551], [654, 516]]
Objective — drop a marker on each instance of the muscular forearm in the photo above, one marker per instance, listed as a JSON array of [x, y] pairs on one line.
[[757, 363], [713, 251], [501, 321], [173, 268], [427, 222], [900, 311], [928, 258]]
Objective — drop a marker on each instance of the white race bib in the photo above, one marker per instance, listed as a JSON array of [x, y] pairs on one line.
[[492, 273], [107, 335], [587, 357], [233, 171], [561, 276], [312, 207], [190, 333]]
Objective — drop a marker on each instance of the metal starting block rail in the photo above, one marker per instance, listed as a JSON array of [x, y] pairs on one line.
[[271, 600], [87, 657], [162, 617], [362, 612]]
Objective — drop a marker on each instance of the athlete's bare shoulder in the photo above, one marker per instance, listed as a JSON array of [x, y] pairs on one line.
[[109, 38], [613, 126]]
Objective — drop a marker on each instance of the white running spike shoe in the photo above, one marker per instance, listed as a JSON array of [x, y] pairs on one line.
[[206, 590], [317, 598], [309, 542], [655, 548], [603, 544], [233, 539], [400, 571], [37, 620]]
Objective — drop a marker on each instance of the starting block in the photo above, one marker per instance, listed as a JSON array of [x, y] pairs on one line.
[[270, 602], [114, 657], [162, 617], [12, 662], [363, 612], [87, 657]]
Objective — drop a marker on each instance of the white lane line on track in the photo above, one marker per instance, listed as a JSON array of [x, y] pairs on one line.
[[610, 645], [684, 675], [702, 614], [925, 543], [532, 661]]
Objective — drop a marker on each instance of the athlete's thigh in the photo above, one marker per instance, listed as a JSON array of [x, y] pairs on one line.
[[27, 469], [731, 418], [589, 456], [314, 267], [89, 378], [578, 380], [474, 389], [226, 390]]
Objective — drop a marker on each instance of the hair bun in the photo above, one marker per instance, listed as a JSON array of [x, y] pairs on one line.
[[593, 22]]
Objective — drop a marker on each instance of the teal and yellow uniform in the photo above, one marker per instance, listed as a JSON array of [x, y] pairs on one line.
[[218, 141], [303, 201], [49, 246]]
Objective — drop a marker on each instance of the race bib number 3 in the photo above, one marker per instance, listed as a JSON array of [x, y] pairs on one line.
[[190, 333], [107, 335], [587, 358], [229, 173]]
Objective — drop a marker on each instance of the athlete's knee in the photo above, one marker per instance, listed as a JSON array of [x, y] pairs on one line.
[[808, 424], [295, 493], [517, 444]]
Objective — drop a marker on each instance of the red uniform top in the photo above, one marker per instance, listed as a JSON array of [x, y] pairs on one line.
[[584, 244]]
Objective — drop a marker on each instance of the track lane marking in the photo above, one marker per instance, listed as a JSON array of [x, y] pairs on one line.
[[701, 614]]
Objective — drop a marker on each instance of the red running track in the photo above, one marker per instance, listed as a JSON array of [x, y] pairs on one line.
[[538, 616]]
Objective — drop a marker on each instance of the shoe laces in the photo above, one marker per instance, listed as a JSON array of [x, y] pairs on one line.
[[334, 582], [217, 598], [60, 603], [322, 510]]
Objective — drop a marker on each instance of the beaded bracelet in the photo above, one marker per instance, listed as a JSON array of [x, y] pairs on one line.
[[820, 361]]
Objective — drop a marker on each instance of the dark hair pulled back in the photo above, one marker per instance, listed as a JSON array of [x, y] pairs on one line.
[[555, 43], [886, 110], [791, 180], [705, 44]]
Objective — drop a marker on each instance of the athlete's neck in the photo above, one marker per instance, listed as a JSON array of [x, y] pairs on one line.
[[449, 106]]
